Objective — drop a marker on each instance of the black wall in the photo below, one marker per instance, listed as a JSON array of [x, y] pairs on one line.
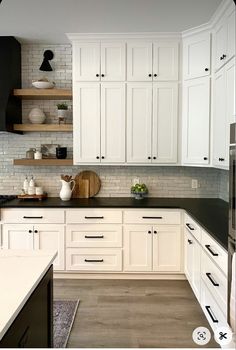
[[10, 78]]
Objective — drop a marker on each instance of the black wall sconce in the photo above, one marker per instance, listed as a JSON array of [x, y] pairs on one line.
[[48, 56]]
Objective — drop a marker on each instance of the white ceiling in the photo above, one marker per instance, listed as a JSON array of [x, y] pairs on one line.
[[46, 21]]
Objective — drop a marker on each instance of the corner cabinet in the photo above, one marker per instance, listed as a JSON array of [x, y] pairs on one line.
[[125, 99]]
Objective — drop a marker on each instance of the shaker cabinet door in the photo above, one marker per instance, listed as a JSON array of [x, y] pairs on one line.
[[86, 129], [86, 62], [113, 123], [113, 61], [139, 122], [17, 236], [165, 61], [139, 61]]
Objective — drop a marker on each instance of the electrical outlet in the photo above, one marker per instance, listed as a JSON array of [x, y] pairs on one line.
[[194, 183], [136, 180]]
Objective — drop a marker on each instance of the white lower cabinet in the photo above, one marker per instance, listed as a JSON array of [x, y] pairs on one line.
[[152, 248], [42, 236], [193, 262], [93, 259]]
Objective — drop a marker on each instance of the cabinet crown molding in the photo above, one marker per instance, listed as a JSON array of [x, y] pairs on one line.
[[123, 36]]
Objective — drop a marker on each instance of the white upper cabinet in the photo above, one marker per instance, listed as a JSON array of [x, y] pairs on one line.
[[113, 61], [147, 61], [196, 121], [165, 61], [99, 61], [165, 122], [139, 61], [196, 56], [223, 113], [224, 40], [86, 61], [139, 122], [152, 122], [99, 123], [113, 123], [86, 130]]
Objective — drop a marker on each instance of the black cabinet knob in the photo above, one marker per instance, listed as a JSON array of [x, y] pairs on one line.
[[149, 232], [97, 75], [206, 69], [35, 231], [149, 157], [30, 231], [155, 232], [205, 158], [97, 157], [221, 159], [103, 75], [223, 57], [154, 157], [103, 157], [149, 75], [155, 75]]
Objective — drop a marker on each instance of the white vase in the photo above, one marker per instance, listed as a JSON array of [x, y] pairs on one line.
[[66, 190], [37, 116]]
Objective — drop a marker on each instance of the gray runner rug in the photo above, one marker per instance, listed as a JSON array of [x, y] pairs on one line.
[[64, 312]]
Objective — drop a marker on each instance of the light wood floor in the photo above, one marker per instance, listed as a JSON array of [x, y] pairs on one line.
[[132, 313]]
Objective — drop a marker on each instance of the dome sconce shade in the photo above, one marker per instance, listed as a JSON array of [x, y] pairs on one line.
[[48, 56]]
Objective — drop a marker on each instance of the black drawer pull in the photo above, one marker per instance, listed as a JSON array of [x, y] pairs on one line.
[[152, 217], [93, 260], [32, 217], [208, 274], [208, 308], [189, 241], [94, 236], [190, 227], [94, 217], [210, 250]]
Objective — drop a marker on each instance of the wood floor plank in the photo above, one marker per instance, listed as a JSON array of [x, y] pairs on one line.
[[132, 313]]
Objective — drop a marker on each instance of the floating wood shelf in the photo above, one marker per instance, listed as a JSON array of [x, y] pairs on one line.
[[43, 94], [43, 127], [39, 162]]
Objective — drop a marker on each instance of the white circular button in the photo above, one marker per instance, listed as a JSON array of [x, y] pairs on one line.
[[223, 335], [201, 335]]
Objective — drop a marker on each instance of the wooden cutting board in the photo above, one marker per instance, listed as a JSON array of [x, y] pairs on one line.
[[87, 184]]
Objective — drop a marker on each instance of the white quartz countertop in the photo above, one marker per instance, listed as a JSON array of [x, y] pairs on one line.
[[20, 273]]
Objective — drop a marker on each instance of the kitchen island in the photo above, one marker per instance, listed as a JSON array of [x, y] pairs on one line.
[[26, 298]]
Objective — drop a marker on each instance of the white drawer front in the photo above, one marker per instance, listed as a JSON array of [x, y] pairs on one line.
[[93, 259], [211, 309], [152, 217], [192, 227], [33, 216], [94, 236], [93, 216], [215, 280], [215, 251]]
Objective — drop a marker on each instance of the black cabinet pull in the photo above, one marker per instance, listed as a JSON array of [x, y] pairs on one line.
[[208, 274], [103, 157], [223, 57], [94, 260], [189, 241], [206, 69], [149, 232], [35, 231], [152, 217], [190, 227], [30, 231], [154, 157], [149, 157], [97, 157], [221, 159], [208, 247], [97, 75], [155, 232], [94, 236], [103, 75], [205, 158], [155, 75], [149, 75], [32, 217], [208, 308], [94, 217]]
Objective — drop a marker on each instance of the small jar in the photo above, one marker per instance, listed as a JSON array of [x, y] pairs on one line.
[[30, 153], [38, 155]]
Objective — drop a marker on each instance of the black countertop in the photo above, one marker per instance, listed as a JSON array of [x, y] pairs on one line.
[[210, 213]]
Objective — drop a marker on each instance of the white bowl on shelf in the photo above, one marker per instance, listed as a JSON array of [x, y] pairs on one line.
[[43, 84]]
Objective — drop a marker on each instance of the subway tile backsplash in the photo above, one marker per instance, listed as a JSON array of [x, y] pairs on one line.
[[169, 181]]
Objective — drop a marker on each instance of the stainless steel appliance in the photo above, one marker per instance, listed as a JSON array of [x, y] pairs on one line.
[[232, 232]]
